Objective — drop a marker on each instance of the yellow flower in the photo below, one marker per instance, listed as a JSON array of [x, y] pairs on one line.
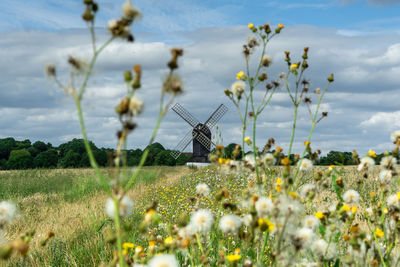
[[278, 189], [279, 149], [168, 241], [279, 181], [345, 207], [281, 26], [372, 153], [237, 251], [398, 195], [247, 140], [223, 161], [373, 193], [354, 209], [385, 210], [127, 245], [379, 233], [138, 249], [294, 66], [240, 75], [250, 26], [319, 215], [332, 166], [306, 143], [233, 258], [293, 194]]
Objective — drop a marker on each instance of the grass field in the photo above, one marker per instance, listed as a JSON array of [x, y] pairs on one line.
[[71, 204]]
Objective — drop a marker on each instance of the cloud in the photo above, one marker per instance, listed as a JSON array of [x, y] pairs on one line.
[[365, 90], [373, 2]]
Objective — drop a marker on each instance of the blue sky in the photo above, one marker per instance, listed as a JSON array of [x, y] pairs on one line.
[[359, 41]]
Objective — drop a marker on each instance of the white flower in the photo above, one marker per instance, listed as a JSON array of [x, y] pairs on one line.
[[307, 189], [288, 206], [385, 177], [393, 201], [7, 212], [305, 165], [163, 260], [230, 223], [395, 136], [306, 235], [351, 196], [264, 206], [125, 207], [367, 163], [319, 247], [238, 87], [202, 190], [389, 162], [311, 222], [249, 160], [369, 211], [186, 232], [269, 159], [247, 219], [201, 221], [135, 106]]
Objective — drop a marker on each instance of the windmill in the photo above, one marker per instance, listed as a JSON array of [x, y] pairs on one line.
[[200, 134]]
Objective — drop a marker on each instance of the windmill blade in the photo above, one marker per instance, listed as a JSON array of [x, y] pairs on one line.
[[216, 116], [205, 141], [184, 114], [183, 144]]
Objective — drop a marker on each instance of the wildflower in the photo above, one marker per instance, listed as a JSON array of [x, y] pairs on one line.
[[305, 165], [240, 75], [247, 219], [7, 212], [294, 67], [351, 196], [238, 88], [372, 153], [319, 215], [51, 70], [202, 190], [305, 235], [285, 161], [135, 106], [127, 245], [130, 11], [319, 247], [233, 258], [247, 140], [367, 163], [264, 206], [307, 190], [279, 28], [395, 136], [369, 211], [312, 222], [265, 224], [354, 209], [163, 260], [288, 206], [385, 177], [125, 207], [388, 162], [252, 42], [202, 220], [269, 159], [230, 223], [266, 61], [250, 26], [345, 207], [379, 233], [186, 232], [173, 85], [393, 201]]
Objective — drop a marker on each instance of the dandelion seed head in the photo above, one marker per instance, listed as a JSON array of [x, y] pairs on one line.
[[135, 106], [125, 207], [238, 88], [351, 196], [230, 223], [393, 201], [164, 260], [306, 235], [7, 212], [319, 247], [305, 165], [264, 206], [395, 136], [202, 221], [307, 189], [202, 190], [367, 164], [269, 159], [385, 177], [247, 219], [388, 162], [311, 222], [266, 61]]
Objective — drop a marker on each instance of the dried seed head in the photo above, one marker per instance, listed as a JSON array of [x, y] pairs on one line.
[[173, 85], [51, 71], [266, 61]]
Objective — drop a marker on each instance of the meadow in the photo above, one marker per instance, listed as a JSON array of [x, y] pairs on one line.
[[70, 203]]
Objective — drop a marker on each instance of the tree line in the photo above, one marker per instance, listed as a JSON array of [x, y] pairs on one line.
[[26, 155]]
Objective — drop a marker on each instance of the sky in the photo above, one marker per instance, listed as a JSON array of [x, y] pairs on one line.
[[358, 41]]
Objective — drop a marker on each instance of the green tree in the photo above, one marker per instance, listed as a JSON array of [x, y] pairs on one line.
[[154, 149], [33, 151], [46, 159], [6, 145], [22, 144], [164, 158], [20, 159], [70, 160], [41, 146]]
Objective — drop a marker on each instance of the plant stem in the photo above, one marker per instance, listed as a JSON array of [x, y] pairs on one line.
[[118, 231]]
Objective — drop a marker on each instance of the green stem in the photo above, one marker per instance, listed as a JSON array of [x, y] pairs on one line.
[[293, 129], [118, 232], [260, 260]]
